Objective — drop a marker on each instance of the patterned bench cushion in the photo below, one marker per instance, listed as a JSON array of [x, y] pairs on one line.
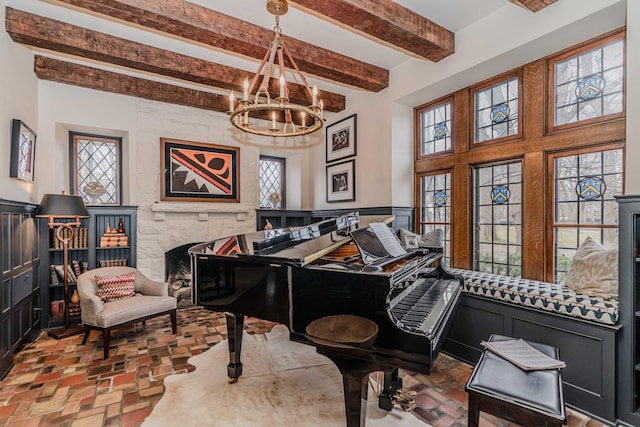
[[541, 295]]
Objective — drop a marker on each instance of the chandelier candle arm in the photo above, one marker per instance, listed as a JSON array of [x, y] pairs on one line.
[[282, 86]]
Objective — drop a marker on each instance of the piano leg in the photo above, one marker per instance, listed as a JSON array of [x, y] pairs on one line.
[[235, 325], [355, 381], [392, 383]]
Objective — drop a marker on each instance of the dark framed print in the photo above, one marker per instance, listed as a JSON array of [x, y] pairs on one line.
[[341, 139], [199, 172], [341, 182], [23, 151]]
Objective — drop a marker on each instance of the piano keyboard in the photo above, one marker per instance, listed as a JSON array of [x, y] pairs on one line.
[[418, 307]]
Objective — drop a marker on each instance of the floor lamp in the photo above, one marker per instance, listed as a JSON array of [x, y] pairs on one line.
[[56, 206]]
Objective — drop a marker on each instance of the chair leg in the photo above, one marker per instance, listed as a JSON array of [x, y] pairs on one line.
[[174, 325], [105, 337], [87, 331]]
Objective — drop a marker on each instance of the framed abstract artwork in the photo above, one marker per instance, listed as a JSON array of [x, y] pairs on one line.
[[341, 139], [23, 151], [199, 172], [341, 182]]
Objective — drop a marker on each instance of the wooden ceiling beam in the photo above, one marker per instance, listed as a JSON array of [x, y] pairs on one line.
[[533, 5], [59, 71], [45, 33], [196, 23], [388, 22]]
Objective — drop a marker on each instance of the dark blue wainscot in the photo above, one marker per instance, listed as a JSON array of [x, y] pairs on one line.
[[587, 347]]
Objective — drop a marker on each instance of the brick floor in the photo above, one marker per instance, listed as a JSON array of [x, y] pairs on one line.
[[65, 383]]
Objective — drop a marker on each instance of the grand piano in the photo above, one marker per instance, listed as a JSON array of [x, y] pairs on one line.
[[333, 267]]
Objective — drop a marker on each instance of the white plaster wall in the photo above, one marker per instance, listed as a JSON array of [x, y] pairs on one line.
[[19, 89], [482, 51], [373, 166], [141, 124]]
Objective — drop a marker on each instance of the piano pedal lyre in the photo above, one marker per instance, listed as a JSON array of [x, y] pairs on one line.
[[401, 396], [404, 398]]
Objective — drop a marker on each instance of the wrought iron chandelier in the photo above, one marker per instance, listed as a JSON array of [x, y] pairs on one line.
[[298, 119]]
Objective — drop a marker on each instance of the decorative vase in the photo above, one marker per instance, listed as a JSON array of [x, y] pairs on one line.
[[94, 190], [75, 298]]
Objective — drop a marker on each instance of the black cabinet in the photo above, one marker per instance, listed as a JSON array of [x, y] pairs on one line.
[[629, 340], [96, 243], [280, 218], [20, 283]]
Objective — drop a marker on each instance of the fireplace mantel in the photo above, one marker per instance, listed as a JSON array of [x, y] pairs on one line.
[[203, 210]]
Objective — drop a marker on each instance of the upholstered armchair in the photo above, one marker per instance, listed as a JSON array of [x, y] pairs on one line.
[[113, 297]]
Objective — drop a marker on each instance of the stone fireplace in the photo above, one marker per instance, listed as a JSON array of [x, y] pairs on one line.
[[178, 273]]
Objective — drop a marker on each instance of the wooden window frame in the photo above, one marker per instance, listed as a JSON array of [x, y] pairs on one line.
[[474, 189], [494, 81], [73, 159], [449, 99], [550, 217], [283, 179], [575, 51], [533, 149], [418, 203]]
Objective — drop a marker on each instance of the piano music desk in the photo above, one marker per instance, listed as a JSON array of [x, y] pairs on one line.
[[500, 388]]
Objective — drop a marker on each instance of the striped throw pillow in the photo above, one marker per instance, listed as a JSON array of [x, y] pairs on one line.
[[113, 288]]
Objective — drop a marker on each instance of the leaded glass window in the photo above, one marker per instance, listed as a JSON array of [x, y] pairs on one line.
[[436, 208], [272, 179], [584, 206], [498, 219], [496, 111], [436, 129], [97, 168], [589, 85]]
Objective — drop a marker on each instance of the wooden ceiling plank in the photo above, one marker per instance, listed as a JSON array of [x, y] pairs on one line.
[[46, 33], [59, 71], [193, 22], [388, 22], [533, 5]]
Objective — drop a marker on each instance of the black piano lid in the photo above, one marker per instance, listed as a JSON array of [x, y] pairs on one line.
[[299, 245]]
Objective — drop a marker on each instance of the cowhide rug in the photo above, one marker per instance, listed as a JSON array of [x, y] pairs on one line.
[[284, 383]]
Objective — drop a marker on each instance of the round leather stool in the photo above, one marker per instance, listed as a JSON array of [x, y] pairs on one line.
[[343, 330]]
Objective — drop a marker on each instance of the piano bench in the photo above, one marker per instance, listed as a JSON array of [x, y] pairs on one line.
[[500, 388]]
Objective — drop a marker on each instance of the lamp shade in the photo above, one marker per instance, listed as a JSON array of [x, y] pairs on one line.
[[62, 206]]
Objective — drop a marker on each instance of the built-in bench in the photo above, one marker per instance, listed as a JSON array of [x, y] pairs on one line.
[[540, 295], [583, 327]]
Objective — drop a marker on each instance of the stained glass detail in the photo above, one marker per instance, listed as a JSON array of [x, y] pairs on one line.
[[440, 198], [272, 182], [97, 162], [500, 113], [496, 111], [498, 219], [435, 210], [590, 87], [590, 84], [436, 129], [500, 194], [590, 188], [584, 203]]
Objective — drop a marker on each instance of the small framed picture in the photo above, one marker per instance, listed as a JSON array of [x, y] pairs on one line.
[[341, 182], [341, 139], [23, 151], [411, 242]]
